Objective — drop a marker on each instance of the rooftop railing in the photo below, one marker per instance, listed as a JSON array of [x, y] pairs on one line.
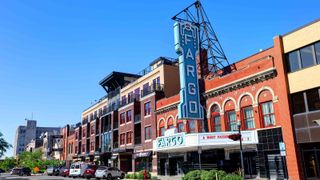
[[151, 89]]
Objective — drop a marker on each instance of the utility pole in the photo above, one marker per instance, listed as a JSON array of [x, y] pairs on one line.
[[241, 153]]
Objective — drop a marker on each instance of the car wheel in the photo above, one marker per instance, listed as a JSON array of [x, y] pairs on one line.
[[122, 176], [109, 177], [98, 178]]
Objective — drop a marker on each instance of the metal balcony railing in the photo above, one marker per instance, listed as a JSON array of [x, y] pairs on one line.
[[151, 89]]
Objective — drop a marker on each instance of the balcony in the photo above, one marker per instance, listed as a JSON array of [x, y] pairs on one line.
[[133, 98], [113, 93], [151, 89]]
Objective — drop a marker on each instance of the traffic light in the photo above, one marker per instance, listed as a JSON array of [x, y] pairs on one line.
[[235, 137]]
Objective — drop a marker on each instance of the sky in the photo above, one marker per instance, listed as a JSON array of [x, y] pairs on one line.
[[53, 53]]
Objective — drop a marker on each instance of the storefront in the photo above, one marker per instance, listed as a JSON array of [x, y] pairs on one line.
[[142, 161], [179, 153]]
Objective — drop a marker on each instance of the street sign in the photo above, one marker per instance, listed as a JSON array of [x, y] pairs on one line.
[[282, 148]]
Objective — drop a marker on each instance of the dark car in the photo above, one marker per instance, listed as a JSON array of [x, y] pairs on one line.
[[52, 170], [89, 171], [24, 171], [2, 171], [64, 171]]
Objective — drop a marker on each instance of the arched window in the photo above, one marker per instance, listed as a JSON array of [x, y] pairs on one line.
[[215, 119], [170, 123], [230, 116], [162, 128], [247, 114], [266, 108]]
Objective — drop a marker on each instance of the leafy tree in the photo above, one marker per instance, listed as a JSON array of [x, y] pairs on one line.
[[4, 145], [8, 163]]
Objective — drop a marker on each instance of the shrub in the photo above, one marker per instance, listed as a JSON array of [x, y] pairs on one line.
[[232, 177], [129, 176], [154, 178], [193, 175]]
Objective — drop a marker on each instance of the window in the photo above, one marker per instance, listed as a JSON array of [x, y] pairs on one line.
[[147, 132], [192, 126], [215, 119], [92, 129], [147, 108], [76, 150], [76, 135], [137, 93], [129, 137], [170, 123], [180, 127], [248, 117], [123, 100], [123, 118], [83, 148], [83, 132], [122, 139], [313, 99], [92, 146], [317, 49], [232, 121], [298, 103], [129, 115], [293, 61], [306, 55], [267, 112]]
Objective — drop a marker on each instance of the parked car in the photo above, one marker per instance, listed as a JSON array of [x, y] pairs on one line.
[[64, 171], [53, 171], [109, 172], [2, 171], [89, 171], [21, 171], [77, 169]]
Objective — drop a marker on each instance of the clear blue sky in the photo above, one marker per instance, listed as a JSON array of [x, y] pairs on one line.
[[54, 53]]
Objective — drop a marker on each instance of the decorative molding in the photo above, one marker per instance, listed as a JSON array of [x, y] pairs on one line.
[[167, 108], [248, 81]]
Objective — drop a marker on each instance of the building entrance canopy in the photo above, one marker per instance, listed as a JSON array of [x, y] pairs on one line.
[[182, 142]]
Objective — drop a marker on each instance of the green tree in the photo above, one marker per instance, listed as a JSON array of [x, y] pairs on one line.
[[4, 145], [8, 163]]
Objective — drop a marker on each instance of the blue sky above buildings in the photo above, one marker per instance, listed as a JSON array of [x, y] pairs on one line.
[[54, 53]]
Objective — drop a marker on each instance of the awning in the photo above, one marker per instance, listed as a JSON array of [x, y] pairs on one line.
[[113, 157], [142, 154]]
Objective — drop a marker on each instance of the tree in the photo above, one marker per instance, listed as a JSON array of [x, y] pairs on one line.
[[8, 163], [4, 145]]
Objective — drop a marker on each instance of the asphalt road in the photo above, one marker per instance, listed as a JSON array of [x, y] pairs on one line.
[[37, 177]]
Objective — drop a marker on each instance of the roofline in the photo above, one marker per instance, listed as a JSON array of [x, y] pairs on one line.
[[120, 73], [301, 27]]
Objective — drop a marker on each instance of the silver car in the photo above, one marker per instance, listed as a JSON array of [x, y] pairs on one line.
[[104, 172]]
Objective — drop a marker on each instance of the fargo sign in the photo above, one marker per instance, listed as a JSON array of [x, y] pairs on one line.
[[186, 39], [170, 141]]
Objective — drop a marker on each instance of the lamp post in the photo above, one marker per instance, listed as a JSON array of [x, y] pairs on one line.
[[241, 155]]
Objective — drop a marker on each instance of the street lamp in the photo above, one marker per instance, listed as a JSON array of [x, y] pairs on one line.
[[241, 155]]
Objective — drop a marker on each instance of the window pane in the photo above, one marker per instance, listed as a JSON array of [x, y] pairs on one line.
[[307, 56], [268, 113], [192, 126], [298, 103], [293, 61], [162, 131], [180, 127], [232, 121], [313, 99], [317, 49], [249, 117], [217, 124]]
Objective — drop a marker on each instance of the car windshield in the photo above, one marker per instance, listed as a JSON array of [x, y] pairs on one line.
[[77, 166], [102, 168], [90, 166]]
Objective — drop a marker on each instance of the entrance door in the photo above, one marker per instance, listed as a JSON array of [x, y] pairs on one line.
[[175, 166], [162, 167], [250, 169], [276, 166], [311, 160]]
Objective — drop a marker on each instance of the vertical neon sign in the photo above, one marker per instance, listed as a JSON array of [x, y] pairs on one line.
[[186, 39]]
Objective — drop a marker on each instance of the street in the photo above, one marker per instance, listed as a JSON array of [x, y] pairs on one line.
[[6, 176]]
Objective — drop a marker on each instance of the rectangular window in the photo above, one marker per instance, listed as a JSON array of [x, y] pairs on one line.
[[147, 108], [180, 127], [248, 117], [162, 130], [313, 99], [293, 61], [83, 148], [76, 150], [93, 127], [129, 115], [192, 126], [217, 123], [307, 57], [83, 132], [123, 100], [317, 49], [147, 132], [92, 146], [122, 138], [76, 135], [123, 118], [232, 121], [267, 112], [298, 103], [129, 137], [137, 93]]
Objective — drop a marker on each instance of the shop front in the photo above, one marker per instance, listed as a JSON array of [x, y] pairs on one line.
[[142, 161], [180, 153]]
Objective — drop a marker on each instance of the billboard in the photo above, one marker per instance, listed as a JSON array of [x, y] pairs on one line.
[[186, 39]]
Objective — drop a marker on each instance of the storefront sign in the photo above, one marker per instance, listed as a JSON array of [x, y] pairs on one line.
[[170, 141], [186, 36], [223, 137], [141, 154]]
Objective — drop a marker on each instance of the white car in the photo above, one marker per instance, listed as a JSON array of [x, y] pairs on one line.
[[77, 169], [104, 172]]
